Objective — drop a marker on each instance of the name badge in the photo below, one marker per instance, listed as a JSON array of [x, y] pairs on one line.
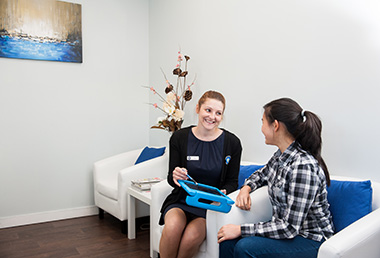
[[192, 158]]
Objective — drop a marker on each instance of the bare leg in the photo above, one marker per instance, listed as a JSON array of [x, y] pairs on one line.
[[175, 223], [192, 238]]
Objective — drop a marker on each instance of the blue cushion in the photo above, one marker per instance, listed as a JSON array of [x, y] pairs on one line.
[[150, 153], [245, 172], [349, 201]]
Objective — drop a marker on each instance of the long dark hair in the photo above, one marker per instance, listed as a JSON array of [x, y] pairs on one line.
[[304, 126]]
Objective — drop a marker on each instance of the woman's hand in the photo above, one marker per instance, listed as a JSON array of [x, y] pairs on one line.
[[228, 232], [243, 200], [179, 174]]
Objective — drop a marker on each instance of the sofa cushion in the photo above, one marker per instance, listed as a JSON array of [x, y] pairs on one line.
[[245, 172], [108, 188], [349, 201], [150, 153]]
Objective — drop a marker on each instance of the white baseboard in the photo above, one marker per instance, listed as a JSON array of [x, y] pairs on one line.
[[41, 217]]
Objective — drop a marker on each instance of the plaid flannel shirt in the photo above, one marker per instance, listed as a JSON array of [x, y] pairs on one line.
[[297, 191]]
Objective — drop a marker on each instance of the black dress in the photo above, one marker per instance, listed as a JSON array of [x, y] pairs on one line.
[[178, 157], [204, 164]]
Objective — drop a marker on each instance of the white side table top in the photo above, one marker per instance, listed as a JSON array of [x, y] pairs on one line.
[[144, 196]]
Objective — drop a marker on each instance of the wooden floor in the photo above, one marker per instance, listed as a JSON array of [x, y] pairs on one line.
[[80, 237]]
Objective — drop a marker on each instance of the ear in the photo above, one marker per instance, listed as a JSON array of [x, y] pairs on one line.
[[197, 109], [276, 125]]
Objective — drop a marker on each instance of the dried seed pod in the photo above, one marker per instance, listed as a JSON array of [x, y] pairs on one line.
[[187, 58], [178, 124], [183, 74], [177, 71], [188, 95], [172, 126], [169, 89]]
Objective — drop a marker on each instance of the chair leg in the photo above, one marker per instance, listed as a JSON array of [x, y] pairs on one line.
[[101, 213], [124, 227]]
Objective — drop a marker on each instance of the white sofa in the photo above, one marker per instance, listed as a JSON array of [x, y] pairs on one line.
[[112, 177], [360, 239]]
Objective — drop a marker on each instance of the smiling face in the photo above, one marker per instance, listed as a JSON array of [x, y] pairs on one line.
[[268, 130], [210, 114]]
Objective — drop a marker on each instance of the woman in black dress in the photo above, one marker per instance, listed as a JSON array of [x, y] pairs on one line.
[[211, 156]]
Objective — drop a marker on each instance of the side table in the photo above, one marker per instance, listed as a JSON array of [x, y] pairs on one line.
[[145, 197]]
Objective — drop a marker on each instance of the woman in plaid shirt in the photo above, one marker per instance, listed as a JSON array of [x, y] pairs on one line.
[[296, 176]]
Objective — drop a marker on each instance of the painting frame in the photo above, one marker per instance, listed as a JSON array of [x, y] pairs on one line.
[[48, 30]]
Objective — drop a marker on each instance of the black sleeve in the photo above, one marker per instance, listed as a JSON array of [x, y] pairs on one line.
[[177, 152], [233, 168]]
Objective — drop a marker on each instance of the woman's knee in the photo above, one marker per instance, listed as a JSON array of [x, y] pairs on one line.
[[175, 218], [195, 232], [246, 247], [243, 244], [226, 248], [175, 223], [240, 248]]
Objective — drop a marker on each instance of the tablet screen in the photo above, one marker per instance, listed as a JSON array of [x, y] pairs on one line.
[[204, 189]]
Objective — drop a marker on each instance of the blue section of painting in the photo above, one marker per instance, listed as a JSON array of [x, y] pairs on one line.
[[29, 48]]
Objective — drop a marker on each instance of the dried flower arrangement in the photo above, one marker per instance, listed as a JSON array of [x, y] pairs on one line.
[[176, 97]]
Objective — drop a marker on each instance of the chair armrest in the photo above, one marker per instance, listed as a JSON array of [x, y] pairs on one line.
[[157, 167], [115, 163], [261, 210], [360, 239], [159, 192]]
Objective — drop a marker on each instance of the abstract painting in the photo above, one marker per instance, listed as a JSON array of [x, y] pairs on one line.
[[41, 30]]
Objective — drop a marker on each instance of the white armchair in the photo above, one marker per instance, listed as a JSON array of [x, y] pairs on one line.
[[112, 177], [360, 239]]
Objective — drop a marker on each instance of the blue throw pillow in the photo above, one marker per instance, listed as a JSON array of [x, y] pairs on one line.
[[349, 201], [150, 153], [245, 172]]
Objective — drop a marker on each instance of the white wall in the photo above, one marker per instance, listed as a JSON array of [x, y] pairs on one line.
[[58, 118], [324, 54]]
